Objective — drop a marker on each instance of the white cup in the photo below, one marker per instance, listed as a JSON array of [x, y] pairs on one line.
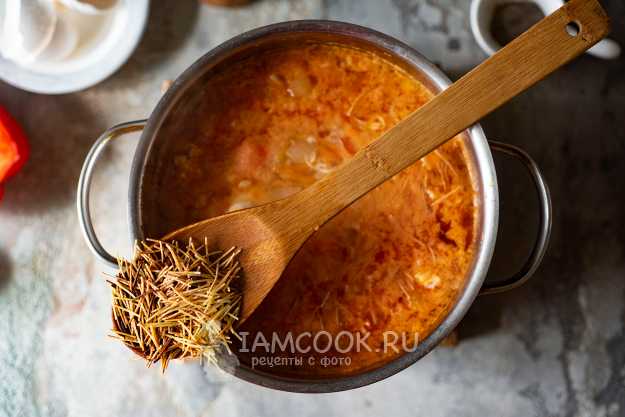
[[482, 12]]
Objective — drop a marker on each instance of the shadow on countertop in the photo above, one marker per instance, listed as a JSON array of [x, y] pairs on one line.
[[5, 269], [60, 130], [170, 25], [573, 125]]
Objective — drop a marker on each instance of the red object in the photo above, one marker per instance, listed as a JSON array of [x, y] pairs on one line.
[[14, 147]]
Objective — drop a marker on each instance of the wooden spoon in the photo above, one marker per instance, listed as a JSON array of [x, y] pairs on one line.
[[271, 234]]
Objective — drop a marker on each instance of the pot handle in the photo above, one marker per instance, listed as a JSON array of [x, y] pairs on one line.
[[544, 222], [84, 188]]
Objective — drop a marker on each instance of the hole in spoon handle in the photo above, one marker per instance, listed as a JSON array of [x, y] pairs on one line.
[[585, 19]]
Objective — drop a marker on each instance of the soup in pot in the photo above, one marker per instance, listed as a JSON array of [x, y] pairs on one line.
[[387, 269]]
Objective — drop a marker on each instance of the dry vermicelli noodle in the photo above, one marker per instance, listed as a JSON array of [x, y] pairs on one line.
[[176, 300]]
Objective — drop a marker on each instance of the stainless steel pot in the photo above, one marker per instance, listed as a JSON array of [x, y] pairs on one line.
[[177, 108]]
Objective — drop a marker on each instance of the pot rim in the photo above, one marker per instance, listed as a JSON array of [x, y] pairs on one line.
[[484, 171]]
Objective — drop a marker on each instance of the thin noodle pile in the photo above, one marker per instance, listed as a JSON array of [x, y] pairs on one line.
[[175, 300]]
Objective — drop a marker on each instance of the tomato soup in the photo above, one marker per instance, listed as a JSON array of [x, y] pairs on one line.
[[395, 261]]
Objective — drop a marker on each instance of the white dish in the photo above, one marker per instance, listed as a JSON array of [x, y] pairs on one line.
[[86, 69]]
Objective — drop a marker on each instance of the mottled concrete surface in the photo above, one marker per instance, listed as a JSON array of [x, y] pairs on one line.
[[555, 347]]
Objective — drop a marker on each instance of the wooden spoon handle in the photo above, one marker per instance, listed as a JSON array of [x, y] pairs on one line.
[[516, 67]]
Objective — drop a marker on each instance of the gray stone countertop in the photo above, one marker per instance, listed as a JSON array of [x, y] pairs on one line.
[[555, 347]]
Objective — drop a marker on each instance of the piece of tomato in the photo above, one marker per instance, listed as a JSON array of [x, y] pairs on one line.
[[14, 149]]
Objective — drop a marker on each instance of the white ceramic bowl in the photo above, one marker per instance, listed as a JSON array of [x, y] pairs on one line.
[[92, 66]]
